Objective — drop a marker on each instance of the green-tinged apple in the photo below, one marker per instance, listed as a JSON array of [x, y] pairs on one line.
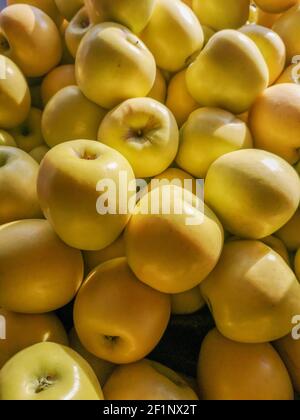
[[229, 73], [48, 371], [147, 380], [159, 90], [189, 235], [69, 115], [253, 192], [76, 30], [22, 331], [38, 153], [252, 293], [29, 135], [6, 139], [39, 273], [68, 181], [57, 79], [118, 318], [69, 8], [18, 177], [131, 13], [14, 95], [145, 132], [211, 132], [102, 368], [109, 55], [26, 33], [173, 34]]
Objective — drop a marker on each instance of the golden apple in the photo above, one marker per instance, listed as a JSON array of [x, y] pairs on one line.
[[14, 95], [68, 8], [18, 177], [159, 90], [252, 293], [208, 33], [131, 13], [179, 100], [271, 46], [29, 135], [289, 233], [112, 65], [26, 33], [145, 132], [57, 79], [69, 193], [254, 193], [118, 318], [173, 34], [220, 14], [275, 121], [290, 75], [266, 19], [297, 267], [229, 73], [69, 115], [25, 330], [289, 351], [187, 303], [233, 371], [48, 371], [7, 139], [39, 273], [177, 177], [277, 6], [38, 153], [77, 28], [94, 258], [288, 27], [211, 132], [147, 380], [47, 6], [278, 246], [190, 240]]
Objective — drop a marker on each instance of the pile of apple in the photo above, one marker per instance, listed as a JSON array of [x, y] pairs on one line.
[[149, 89]]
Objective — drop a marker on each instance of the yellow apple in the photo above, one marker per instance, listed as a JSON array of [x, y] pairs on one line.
[[211, 132], [190, 240], [289, 233], [159, 90], [275, 121], [94, 258], [187, 303], [7, 139], [290, 75], [271, 46], [101, 368], [289, 351], [108, 56], [38, 153], [48, 371], [30, 38], [76, 30], [14, 95], [233, 371], [147, 380], [278, 246], [266, 19], [67, 187], [145, 132], [28, 135], [297, 267], [288, 27], [69, 115], [277, 6], [179, 100], [47, 6], [118, 318], [68, 8], [25, 330], [252, 293], [173, 34], [18, 177], [131, 13], [39, 273], [208, 33], [57, 79], [229, 73], [220, 14], [254, 193], [188, 2], [177, 177]]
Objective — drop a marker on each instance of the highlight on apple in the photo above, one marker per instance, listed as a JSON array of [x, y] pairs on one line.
[[2, 328]]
